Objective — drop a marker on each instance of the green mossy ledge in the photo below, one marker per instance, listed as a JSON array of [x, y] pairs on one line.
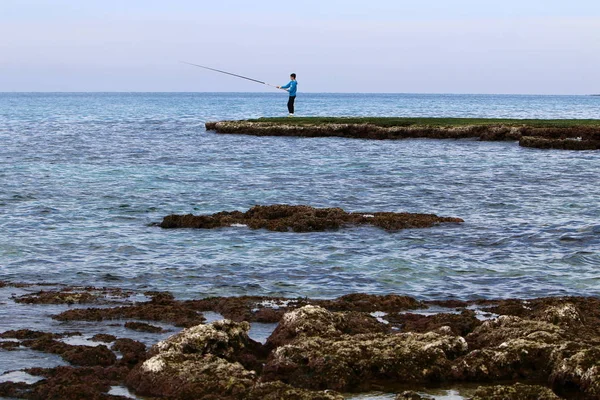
[[570, 134]]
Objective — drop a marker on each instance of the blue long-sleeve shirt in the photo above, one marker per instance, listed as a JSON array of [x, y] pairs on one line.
[[293, 87]]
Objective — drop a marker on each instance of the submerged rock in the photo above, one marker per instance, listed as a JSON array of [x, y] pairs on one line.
[[74, 295], [515, 392], [143, 327], [562, 144], [162, 307], [282, 391], [285, 218]]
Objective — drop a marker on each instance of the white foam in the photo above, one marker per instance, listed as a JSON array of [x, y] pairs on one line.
[[19, 376], [379, 316]]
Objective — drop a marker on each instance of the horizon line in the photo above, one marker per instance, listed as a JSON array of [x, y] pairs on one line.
[[278, 94]]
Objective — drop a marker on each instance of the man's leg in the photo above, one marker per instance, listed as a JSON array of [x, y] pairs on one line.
[[290, 104]]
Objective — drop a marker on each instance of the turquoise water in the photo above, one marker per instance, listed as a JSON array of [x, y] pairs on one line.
[[84, 175]]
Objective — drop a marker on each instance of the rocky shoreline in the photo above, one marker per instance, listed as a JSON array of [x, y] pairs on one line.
[[301, 218], [565, 137], [544, 348]]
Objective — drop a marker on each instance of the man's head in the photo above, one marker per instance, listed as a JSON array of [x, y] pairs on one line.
[[293, 76]]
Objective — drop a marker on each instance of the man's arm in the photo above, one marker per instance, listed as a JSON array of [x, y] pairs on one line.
[[285, 86]]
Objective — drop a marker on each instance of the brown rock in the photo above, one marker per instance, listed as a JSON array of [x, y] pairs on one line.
[[354, 362], [581, 370], [133, 351], [515, 392], [459, 324], [143, 327], [318, 322], [286, 218], [279, 391], [199, 361]]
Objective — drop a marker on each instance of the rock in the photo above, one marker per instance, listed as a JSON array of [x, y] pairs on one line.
[[317, 321], [132, 351], [581, 370], [172, 312], [73, 295], [199, 361], [280, 391], [177, 375], [460, 324], [509, 348], [143, 327], [563, 144], [515, 359], [572, 137], [225, 339], [353, 362], [371, 303], [284, 218], [565, 314], [248, 308], [103, 337], [76, 355], [69, 383], [497, 331], [410, 395], [515, 392]]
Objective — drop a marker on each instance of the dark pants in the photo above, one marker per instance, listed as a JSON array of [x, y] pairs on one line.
[[291, 104]]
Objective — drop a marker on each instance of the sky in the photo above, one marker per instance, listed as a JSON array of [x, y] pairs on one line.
[[373, 46]]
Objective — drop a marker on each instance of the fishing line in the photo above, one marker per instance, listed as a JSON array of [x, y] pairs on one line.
[[229, 73]]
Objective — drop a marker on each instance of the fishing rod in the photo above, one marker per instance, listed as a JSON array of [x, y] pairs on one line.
[[229, 73]]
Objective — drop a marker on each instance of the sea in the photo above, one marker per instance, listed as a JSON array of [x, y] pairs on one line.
[[85, 177]]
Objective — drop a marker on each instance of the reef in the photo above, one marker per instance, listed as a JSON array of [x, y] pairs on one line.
[[284, 218], [545, 134], [545, 348], [162, 307]]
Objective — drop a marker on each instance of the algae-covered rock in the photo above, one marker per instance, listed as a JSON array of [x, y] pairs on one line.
[[563, 314], [198, 361], [370, 303], [351, 362], [581, 370], [410, 395], [317, 321], [513, 359], [280, 390], [563, 144], [191, 376], [222, 338], [515, 392], [509, 348], [302, 218], [460, 324], [497, 331]]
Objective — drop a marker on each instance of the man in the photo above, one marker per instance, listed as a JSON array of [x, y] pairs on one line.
[[291, 88]]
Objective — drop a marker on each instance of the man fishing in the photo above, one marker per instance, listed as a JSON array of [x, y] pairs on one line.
[[291, 87]]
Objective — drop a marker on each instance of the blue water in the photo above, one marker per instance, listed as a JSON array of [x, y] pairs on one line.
[[83, 175]]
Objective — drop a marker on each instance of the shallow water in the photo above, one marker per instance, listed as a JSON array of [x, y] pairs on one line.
[[83, 176]]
